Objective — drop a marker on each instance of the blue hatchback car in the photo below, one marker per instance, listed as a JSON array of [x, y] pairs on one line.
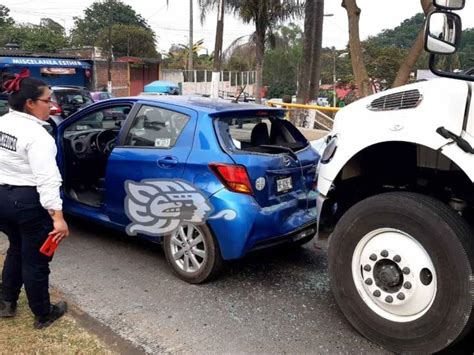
[[211, 180]]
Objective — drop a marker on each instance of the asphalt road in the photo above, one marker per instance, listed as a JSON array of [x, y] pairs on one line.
[[276, 301]]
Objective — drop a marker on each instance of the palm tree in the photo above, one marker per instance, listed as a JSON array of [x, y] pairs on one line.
[[265, 14]]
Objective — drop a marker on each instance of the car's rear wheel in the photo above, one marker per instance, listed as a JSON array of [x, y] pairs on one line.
[[400, 267], [193, 253]]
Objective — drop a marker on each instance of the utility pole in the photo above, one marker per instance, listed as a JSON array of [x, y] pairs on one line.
[[109, 56], [190, 59], [218, 51]]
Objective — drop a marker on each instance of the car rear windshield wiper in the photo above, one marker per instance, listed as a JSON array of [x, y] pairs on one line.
[[280, 147]]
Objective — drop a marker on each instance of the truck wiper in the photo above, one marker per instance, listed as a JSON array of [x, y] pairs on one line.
[[285, 149], [460, 141]]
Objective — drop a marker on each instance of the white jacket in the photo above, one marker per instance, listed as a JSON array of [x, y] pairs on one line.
[[28, 157]]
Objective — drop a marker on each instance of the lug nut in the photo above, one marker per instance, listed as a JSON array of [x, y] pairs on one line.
[[384, 253], [389, 299], [376, 293], [373, 257], [406, 270], [407, 285], [401, 296], [369, 282], [367, 267], [397, 258]]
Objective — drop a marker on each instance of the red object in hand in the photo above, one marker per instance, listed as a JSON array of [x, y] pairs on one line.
[[49, 246]]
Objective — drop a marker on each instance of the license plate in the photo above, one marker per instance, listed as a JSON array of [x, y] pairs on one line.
[[284, 185]]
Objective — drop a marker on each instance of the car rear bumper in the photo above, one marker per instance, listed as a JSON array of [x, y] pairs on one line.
[[254, 227]]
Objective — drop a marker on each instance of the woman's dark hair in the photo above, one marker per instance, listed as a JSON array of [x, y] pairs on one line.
[[30, 88]]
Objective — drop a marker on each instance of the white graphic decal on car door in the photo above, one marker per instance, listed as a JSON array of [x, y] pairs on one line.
[[158, 207]]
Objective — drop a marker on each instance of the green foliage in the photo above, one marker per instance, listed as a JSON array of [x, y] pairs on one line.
[[178, 55], [383, 62], [466, 50], [5, 19], [100, 16], [49, 36], [281, 63], [401, 36], [128, 40], [342, 60], [38, 38]]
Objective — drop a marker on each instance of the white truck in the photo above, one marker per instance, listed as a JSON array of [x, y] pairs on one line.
[[396, 178]]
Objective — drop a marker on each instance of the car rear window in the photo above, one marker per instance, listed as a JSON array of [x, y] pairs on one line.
[[259, 134]]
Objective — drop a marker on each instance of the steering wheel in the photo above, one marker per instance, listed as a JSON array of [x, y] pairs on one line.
[[80, 143], [105, 141]]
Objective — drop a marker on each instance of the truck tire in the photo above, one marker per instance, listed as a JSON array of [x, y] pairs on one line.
[[193, 253], [401, 271]]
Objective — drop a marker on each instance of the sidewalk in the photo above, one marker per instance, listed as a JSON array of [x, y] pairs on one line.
[[75, 333]]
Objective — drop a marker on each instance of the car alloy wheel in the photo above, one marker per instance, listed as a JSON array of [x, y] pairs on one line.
[[193, 253], [188, 248]]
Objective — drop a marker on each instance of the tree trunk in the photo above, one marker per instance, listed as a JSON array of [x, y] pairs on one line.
[[260, 50], [316, 55], [358, 66], [218, 51], [305, 64], [416, 49]]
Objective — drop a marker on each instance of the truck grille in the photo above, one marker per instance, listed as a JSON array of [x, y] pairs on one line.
[[398, 101]]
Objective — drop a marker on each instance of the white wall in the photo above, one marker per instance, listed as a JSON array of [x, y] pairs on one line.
[[202, 87]]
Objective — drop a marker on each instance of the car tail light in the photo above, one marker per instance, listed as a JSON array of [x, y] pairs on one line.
[[234, 177], [55, 109]]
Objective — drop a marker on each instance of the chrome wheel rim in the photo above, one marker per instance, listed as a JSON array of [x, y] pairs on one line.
[[188, 248], [394, 275]]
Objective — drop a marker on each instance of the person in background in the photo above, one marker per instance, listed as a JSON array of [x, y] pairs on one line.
[[31, 207]]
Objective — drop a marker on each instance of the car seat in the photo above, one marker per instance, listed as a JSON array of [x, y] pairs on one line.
[[259, 135]]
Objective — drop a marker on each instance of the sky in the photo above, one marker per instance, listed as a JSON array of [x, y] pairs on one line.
[[171, 22]]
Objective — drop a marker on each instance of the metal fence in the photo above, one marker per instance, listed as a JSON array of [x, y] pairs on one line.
[[235, 78]]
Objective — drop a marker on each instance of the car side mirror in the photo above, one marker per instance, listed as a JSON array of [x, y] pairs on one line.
[[449, 4], [443, 32]]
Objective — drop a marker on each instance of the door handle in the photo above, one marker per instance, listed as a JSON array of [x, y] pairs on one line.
[[168, 162]]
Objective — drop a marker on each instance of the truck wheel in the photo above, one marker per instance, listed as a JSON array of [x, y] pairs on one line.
[[193, 253], [401, 271]]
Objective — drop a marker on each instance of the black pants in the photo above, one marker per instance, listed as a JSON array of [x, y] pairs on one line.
[[27, 224]]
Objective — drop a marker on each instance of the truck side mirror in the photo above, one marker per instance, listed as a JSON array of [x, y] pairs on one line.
[[443, 32], [449, 4]]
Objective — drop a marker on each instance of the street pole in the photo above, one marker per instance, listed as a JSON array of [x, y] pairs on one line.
[[334, 78], [190, 59]]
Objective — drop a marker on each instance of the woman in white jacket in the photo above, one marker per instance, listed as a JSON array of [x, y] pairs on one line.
[[31, 207]]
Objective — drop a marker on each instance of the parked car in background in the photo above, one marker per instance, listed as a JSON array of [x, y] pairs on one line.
[[101, 95], [3, 104], [65, 100], [186, 172]]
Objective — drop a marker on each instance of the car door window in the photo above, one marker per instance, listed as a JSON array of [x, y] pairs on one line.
[[108, 118], [156, 127]]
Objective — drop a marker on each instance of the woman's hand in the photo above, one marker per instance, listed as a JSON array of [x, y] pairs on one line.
[[61, 229]]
